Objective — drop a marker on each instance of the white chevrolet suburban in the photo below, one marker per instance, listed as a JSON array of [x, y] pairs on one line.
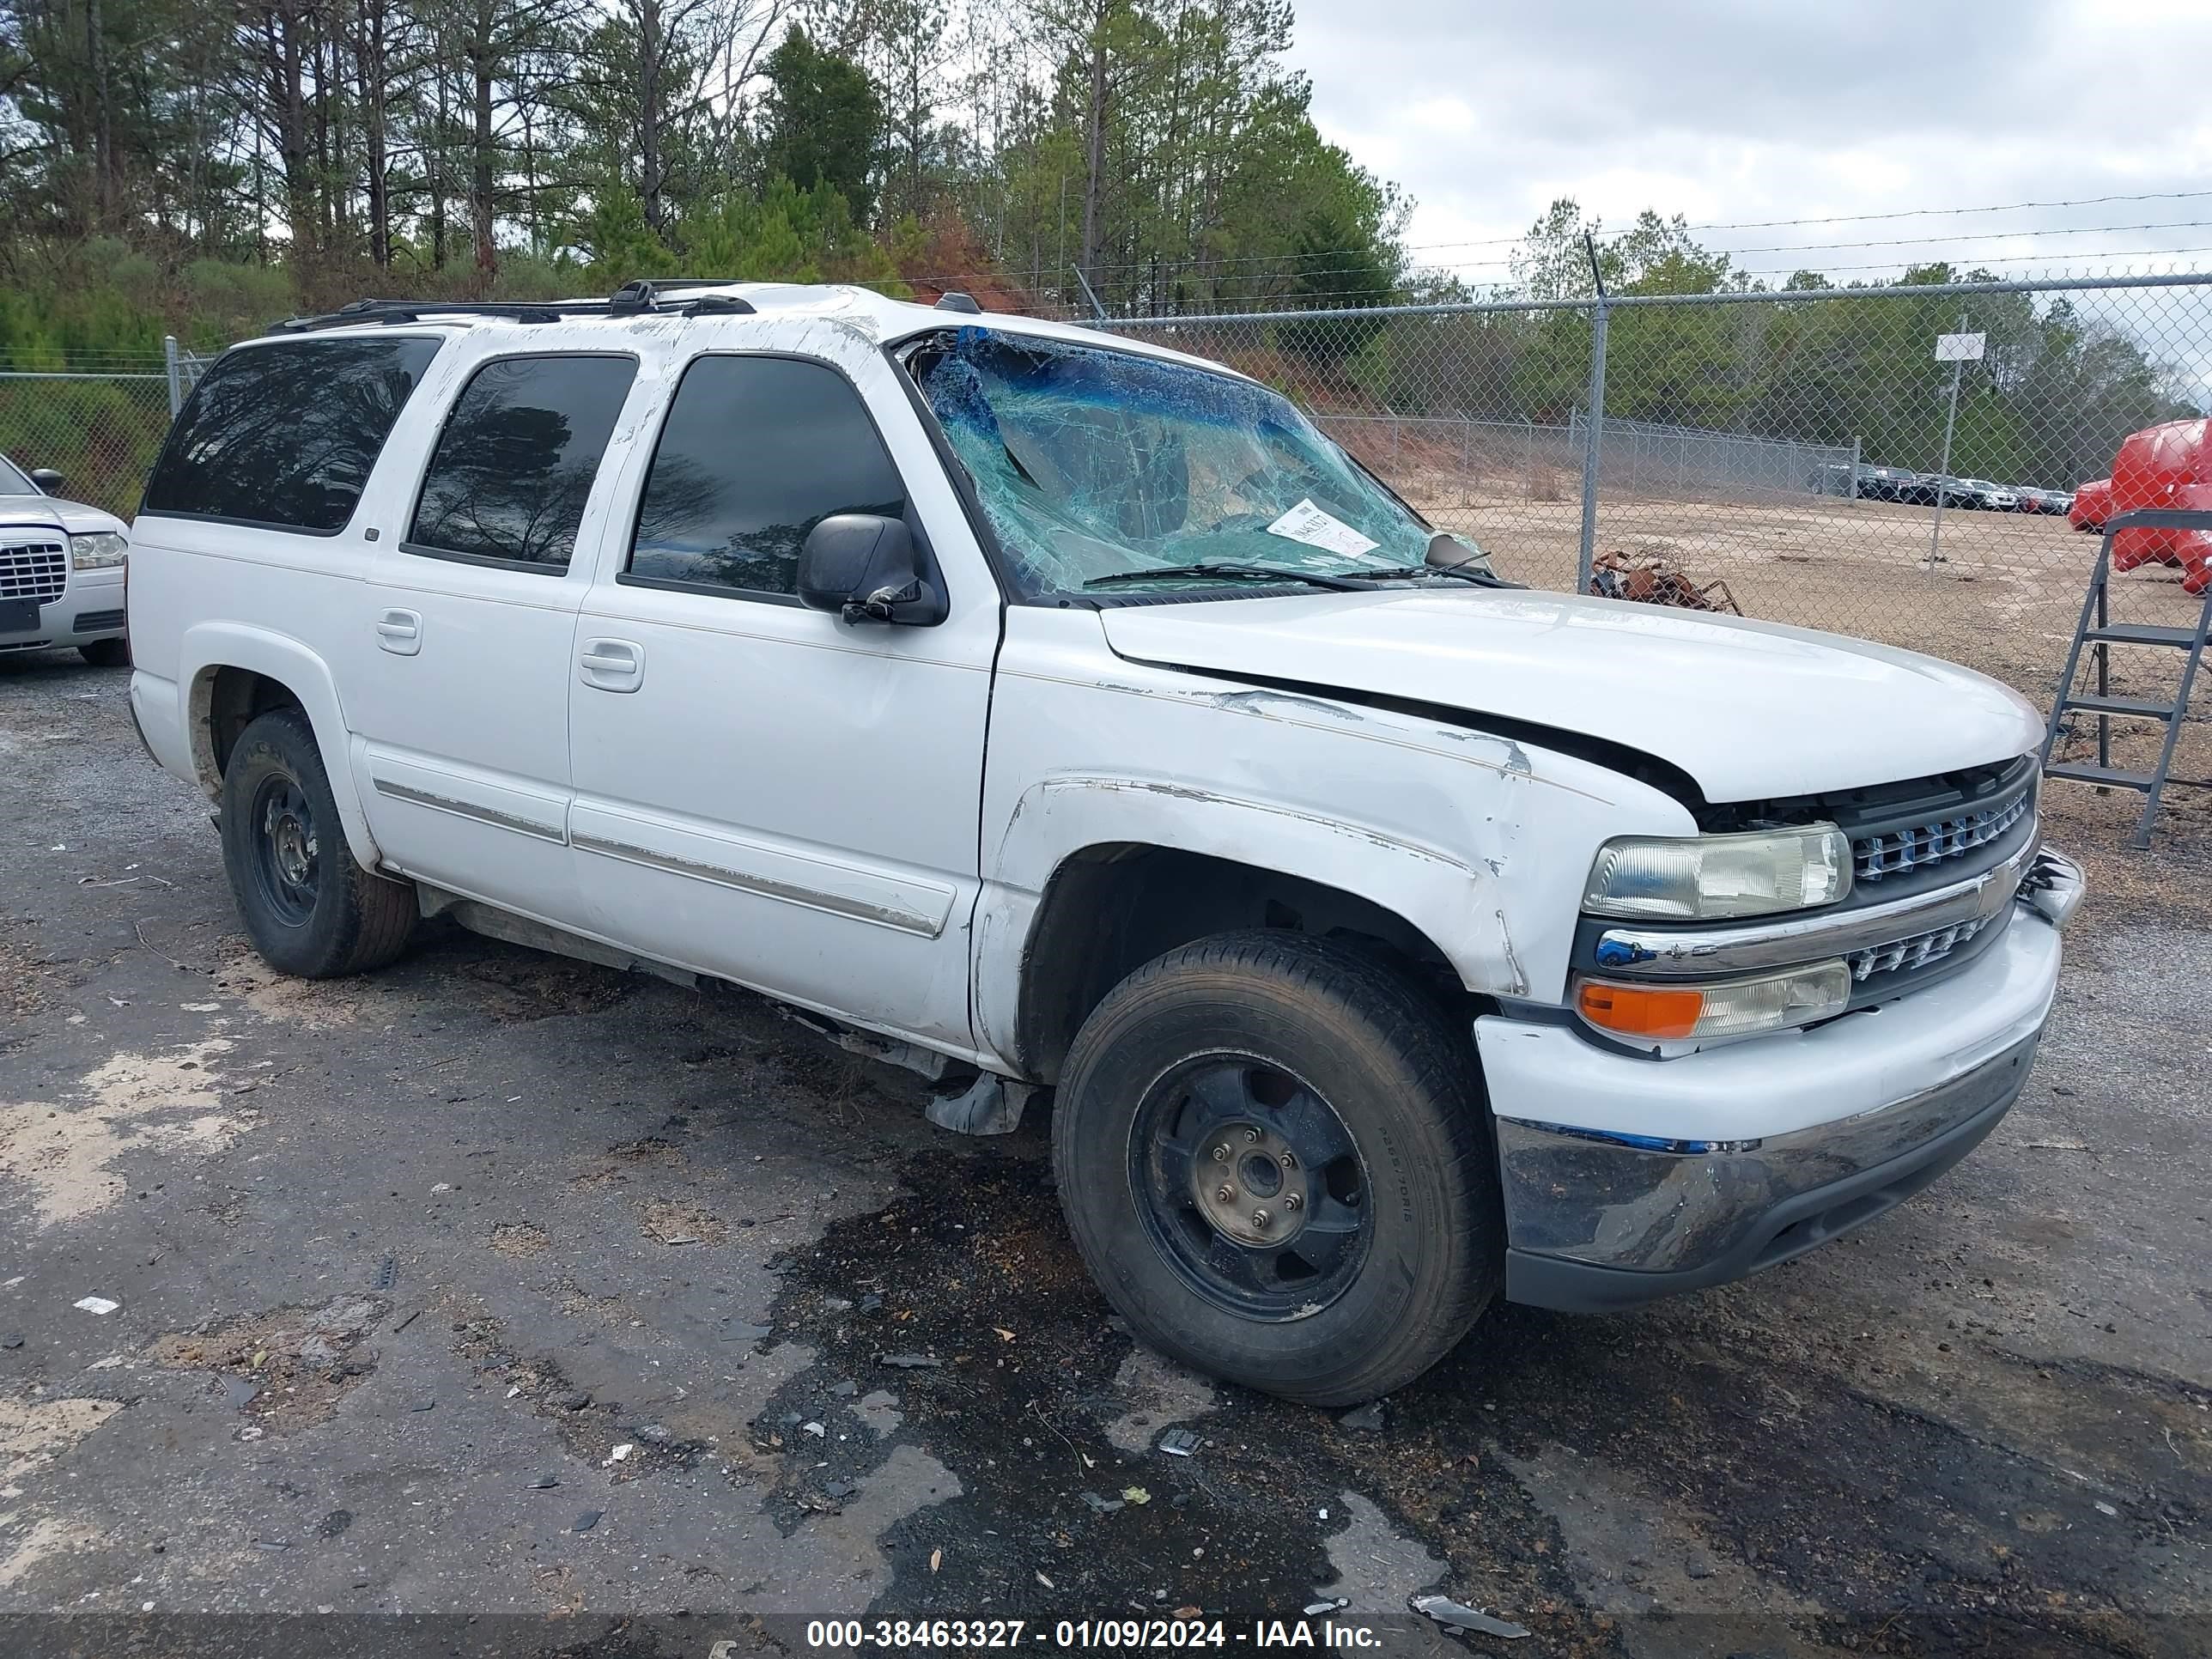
[[1046, 710]]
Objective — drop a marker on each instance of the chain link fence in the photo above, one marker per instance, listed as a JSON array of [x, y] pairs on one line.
[[1787, 452], [99, 423], [1802, 456]]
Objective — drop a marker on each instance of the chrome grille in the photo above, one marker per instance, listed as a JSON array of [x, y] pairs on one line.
[[38, 571], [1917, 952], [1916, 846]]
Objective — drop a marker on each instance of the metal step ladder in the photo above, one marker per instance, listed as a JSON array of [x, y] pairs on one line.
[[2097, 632]]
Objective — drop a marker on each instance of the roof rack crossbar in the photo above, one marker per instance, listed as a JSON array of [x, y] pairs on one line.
[[644, 294]]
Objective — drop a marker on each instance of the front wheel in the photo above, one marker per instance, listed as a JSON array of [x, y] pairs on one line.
[[1273, 1154], [106, 653], [309, 907]]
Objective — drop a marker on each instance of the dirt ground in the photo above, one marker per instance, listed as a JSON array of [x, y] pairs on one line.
[[400, 1264]]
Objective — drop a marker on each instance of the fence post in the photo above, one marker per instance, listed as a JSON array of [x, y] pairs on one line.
[[1592, 438], [1858, 455], [176, 375]]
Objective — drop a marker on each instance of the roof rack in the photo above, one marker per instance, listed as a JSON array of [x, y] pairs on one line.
[[630, 300], [644, 294]]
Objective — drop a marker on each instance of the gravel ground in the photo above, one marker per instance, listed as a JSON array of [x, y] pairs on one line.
[[401, 1263]]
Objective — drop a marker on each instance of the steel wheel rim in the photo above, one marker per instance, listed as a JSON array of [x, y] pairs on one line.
[[287, 849], [1251, 1186]]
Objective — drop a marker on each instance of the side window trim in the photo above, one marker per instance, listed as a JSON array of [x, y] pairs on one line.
[[626, 578], [575, 561]]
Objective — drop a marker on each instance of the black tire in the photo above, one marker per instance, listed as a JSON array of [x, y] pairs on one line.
[[106, 653], [1282, 1012], [310, 910]]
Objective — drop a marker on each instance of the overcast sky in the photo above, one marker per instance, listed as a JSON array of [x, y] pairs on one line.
[[1738, 110]]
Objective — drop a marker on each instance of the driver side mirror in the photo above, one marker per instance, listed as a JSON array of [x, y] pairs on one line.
[[865, 567], [47, 479]]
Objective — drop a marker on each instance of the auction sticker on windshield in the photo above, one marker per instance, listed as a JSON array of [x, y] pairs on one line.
[[1307, 523]]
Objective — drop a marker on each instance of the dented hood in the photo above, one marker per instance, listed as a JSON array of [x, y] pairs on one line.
[[1751, 710]]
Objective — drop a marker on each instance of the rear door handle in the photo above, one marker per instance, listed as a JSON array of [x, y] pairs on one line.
[[400, 632], [612, 665]]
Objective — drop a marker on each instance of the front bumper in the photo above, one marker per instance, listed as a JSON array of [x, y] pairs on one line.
[[1627, 1178], [90, 608]]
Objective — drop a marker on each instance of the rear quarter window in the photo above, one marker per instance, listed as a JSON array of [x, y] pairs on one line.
[[284, 435]]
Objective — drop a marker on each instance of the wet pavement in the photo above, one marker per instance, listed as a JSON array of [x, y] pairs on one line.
[[624, 1320]]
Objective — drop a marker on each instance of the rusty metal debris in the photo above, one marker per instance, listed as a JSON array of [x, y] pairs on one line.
[[1653, 578]]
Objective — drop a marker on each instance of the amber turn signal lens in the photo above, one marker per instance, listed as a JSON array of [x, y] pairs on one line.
[[1642, 1011]]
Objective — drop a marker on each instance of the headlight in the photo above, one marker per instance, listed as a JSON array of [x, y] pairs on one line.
[[1733, 1007], [98, 550], [1686, 878]]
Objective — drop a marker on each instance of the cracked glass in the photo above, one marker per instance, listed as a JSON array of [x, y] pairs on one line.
[[1097, 466]]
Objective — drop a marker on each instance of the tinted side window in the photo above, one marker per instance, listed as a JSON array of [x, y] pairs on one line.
[[516, 461], [285, 434], [755, 453]]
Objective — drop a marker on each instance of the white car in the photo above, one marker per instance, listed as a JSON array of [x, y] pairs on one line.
[[61, 571], [1051, 711]]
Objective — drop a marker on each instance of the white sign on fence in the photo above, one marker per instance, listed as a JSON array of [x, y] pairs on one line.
[[1960, 348]]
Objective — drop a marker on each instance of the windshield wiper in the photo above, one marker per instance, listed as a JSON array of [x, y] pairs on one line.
[[1480, 578], [1230, 573]]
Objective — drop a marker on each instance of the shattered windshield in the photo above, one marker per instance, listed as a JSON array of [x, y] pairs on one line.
[[1097, 467]]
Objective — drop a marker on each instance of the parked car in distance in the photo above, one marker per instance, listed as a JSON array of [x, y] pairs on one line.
[[1886, 484], [61, 570], [1973, 493], [1054, 711], [2032, 499], [2092, 505]]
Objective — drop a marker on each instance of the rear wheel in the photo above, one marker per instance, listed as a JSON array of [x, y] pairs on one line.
[[106, 653], [310, 910], [1274, 1157]]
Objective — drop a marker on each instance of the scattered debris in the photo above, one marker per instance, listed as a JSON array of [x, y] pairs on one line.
[[386, 1275], [1367, 1420], [844, 1390], [910, 1362], [406, 1322], [13, 1339], [1698, 1567], [936, 1560], [574, 1401], [815, 1429], [1458, 1616], [422, 1404], [274, 1543], [839, 1491], [334, 1523], [587, 1520], [2103, 1507], [97, 1304], [545, 1483], [1135, 1495], [736, 1330], [1046, 1582], [1653, 578], [1179, 1442], [620, 1454], [1104, 1506], [1327, 1604]]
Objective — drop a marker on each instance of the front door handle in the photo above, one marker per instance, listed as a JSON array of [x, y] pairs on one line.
[[400, 632], [612, 665]]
